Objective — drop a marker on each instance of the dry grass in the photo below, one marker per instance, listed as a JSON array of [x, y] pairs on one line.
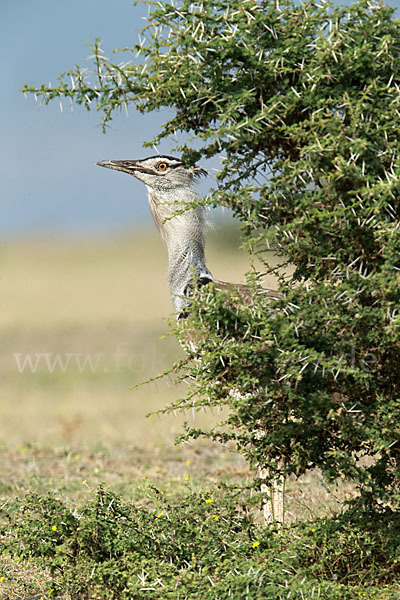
[[60, 429], [106, 300]]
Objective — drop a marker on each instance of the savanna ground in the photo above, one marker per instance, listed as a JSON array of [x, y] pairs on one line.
[[69, 427]]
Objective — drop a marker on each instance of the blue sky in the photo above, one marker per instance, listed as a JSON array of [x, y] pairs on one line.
[[49, 180]]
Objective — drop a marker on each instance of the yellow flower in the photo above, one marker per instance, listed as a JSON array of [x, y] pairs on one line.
[[54, 528], [214, 516], [159, 515], [51, 591], [313, 530], [2, 578], [187, 478], [208, 500], [84, 482], [255, 544]]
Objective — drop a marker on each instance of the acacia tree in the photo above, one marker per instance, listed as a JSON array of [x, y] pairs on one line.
[[303, 102]]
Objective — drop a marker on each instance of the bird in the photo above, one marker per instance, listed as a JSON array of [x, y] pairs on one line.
[[170, 187], [172, 199]]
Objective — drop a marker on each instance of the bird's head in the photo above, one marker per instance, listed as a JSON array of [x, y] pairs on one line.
[[159, 173]]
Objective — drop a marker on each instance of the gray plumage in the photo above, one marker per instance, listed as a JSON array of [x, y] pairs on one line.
[[170, 186]]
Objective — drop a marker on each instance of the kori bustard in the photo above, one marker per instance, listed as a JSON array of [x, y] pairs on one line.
[[170, 187]]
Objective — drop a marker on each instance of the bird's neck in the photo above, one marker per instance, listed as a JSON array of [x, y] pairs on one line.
[[184, 238]]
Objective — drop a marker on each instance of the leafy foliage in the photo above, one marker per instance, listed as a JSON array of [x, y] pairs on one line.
[[200, 547], [303, 103]]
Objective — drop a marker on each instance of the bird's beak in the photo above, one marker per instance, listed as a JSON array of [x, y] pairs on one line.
[[126, 166]]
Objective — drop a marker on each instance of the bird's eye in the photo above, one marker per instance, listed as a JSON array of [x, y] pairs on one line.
[[162, 166]]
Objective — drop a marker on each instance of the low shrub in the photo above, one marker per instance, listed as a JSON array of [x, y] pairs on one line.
[[204, 546]]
